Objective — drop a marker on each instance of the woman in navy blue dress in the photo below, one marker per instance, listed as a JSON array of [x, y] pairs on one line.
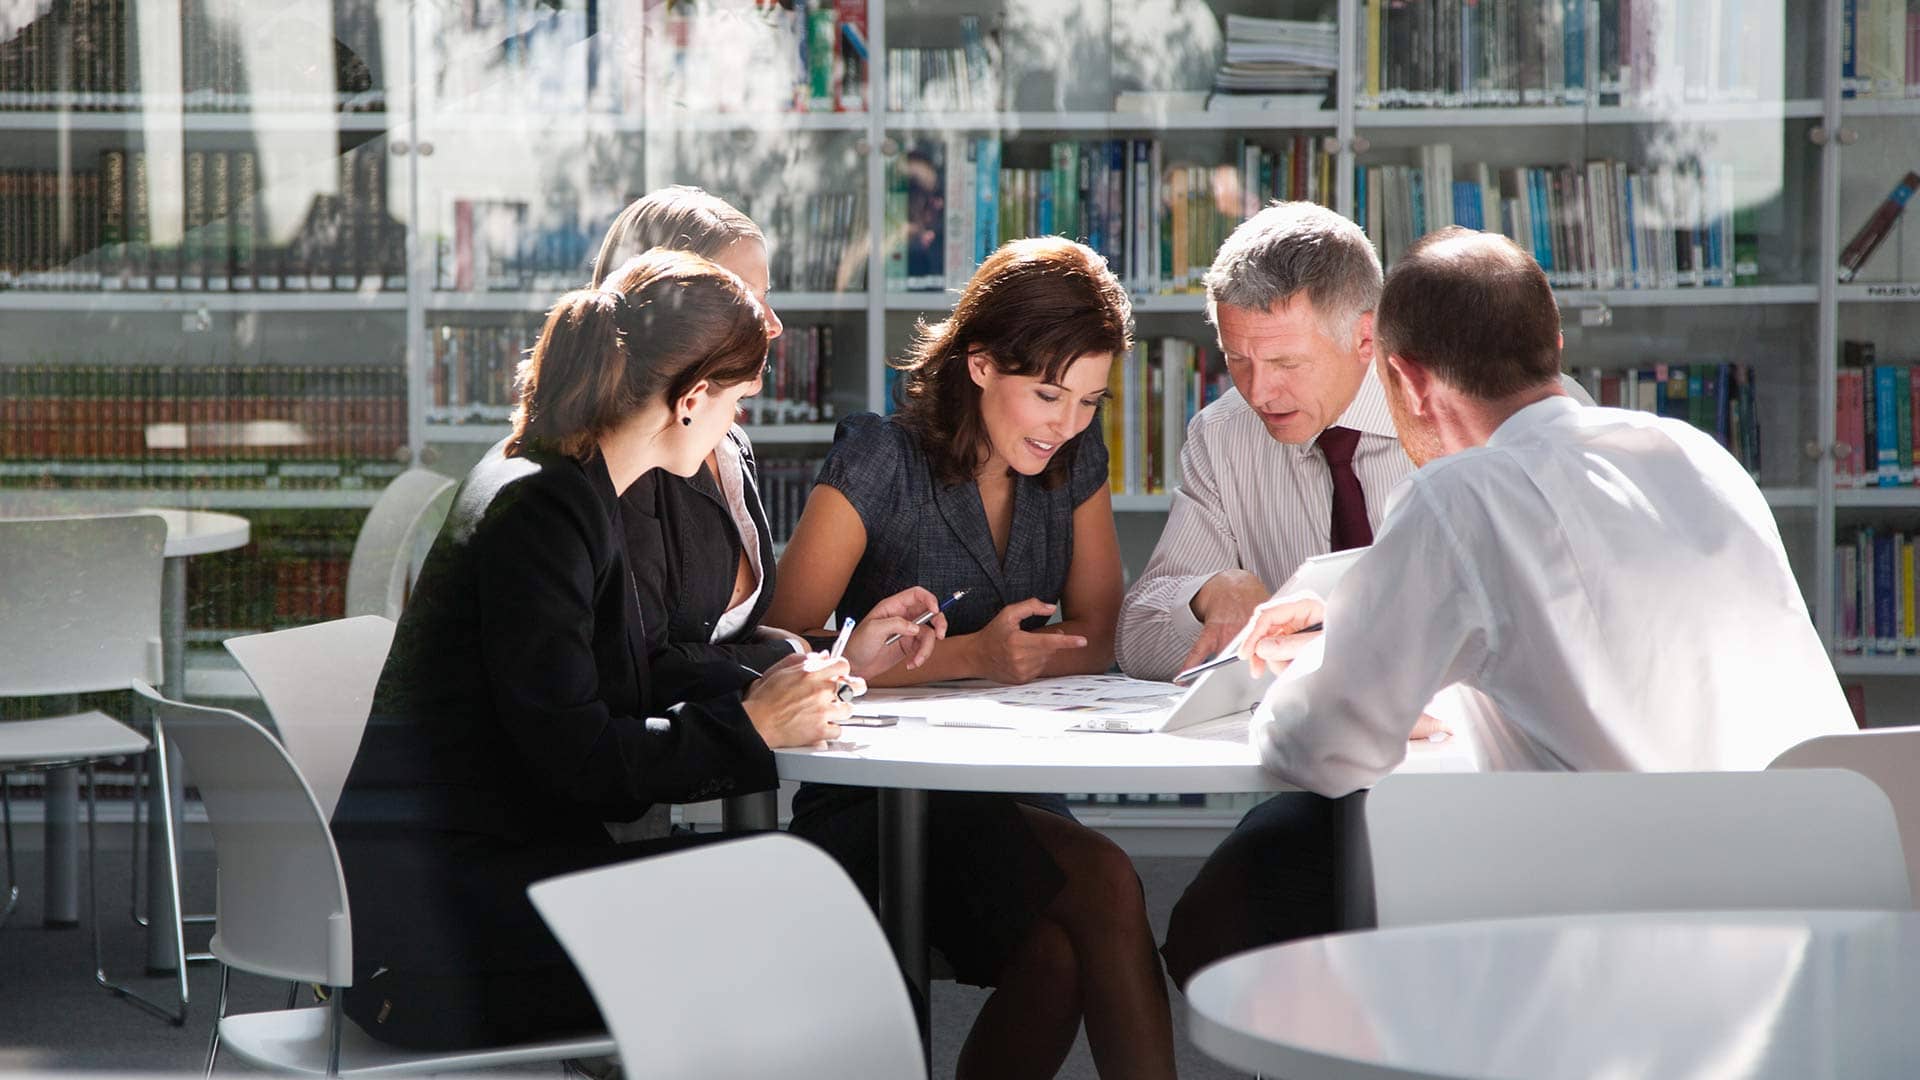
[[992, 478]]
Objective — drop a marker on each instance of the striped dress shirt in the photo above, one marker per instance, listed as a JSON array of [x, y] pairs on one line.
[[1247, 501]]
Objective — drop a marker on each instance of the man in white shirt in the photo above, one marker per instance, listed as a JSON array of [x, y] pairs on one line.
[[1613, 582], [1296, 460]]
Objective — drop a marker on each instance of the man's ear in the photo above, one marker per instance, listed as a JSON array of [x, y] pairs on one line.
[[979, 366], [1415, 383], [1363, 335]]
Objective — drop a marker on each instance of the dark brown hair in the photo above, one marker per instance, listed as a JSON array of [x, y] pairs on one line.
[[1473, 308], [665, 321], [1033, 308], [679, 217]]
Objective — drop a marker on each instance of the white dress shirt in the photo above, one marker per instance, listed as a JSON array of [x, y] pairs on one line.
[[733, 487], [1250, 502], [1613, 582]]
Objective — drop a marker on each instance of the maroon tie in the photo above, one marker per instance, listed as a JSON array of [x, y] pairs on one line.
[[1350, 528]]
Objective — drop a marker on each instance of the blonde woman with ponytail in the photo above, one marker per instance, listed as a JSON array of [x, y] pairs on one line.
[[519, 707]]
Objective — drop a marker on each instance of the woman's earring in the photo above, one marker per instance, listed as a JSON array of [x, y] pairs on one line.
[[687, 421]]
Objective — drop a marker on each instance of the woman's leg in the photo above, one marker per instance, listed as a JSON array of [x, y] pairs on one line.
[[1026, 1028], [1103, 911]]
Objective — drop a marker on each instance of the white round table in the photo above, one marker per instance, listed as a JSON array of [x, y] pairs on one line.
[[907, 761], [1753, 995]]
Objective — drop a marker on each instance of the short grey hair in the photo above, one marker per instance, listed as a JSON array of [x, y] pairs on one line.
[[1293, 247]]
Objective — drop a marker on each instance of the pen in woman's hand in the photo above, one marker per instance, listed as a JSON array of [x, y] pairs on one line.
[[845, 690], [928, 616]]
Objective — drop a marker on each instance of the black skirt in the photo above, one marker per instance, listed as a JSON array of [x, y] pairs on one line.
[[988, 877]]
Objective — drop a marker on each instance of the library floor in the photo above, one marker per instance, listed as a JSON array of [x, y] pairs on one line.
[[52, 1017]]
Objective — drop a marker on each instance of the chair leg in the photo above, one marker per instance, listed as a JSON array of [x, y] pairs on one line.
[[6, 828], [293, 994], [336, 1016], [219, 1014], [177, 1017], [139, 900]]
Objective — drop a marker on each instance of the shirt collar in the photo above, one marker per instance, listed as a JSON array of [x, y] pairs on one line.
[[1367, 414], [1532, 418]]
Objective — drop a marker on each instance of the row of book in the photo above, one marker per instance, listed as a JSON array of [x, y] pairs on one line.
[[1607, 225], [951, 202], [1880, 48], [1457, 53], [86, 55], [293, 571], [471, 376], [1719, 398], [505, 245], [1153, 392], [784, 485], [1874, 409], [95, 231], [962, 79], [113, 425], [1873, 587], [806, 56], [817, 242]]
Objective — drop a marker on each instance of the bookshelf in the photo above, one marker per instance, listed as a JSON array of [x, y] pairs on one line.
[[514, 132]]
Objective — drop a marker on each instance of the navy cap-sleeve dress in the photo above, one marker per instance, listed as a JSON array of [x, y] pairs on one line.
[[988, 876]]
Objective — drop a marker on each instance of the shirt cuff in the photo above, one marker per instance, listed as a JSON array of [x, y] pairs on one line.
[[1180, 611]]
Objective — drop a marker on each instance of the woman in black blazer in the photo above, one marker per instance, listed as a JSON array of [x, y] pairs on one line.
[[699, 546], [519, 707]]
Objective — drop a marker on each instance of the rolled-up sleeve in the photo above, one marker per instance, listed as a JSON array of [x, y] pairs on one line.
[[1157, 624]]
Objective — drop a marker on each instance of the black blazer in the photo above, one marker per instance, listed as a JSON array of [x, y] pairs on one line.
[[674, 529], [517, 711]]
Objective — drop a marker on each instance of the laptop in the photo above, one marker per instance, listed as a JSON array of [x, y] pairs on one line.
[[1231, 690]]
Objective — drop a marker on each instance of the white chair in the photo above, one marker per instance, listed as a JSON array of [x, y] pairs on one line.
[[1497, 845], [658, 941], [393, 541], [317, 682], [1890, 757], [80, 614], [282, 907]]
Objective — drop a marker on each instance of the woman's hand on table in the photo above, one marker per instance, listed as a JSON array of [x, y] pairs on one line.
[[797, 702], [1007, 654], [866, 651]]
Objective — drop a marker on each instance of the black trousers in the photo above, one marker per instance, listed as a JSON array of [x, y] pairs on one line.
[[1275, 878], [437, 1012]]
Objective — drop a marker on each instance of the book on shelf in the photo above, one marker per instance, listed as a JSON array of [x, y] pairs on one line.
[[1878, 224], [1718, 397], [809, 56], [84, 424], [470, 375], [1153, 393], [962, 78], [952, 200], [1468, 53], [86, 56], [1879, 49], [1874, 405], [1874, 598], [1606, 225], [95, 235], [784, 484], [1281, 58]]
